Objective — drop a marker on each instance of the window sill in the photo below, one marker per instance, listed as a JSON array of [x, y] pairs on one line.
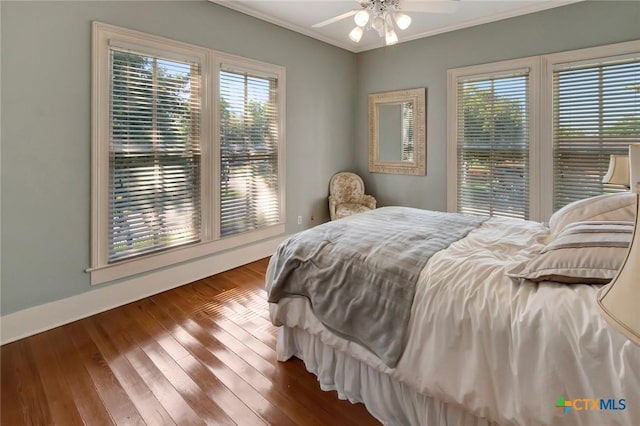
[[127, 268]]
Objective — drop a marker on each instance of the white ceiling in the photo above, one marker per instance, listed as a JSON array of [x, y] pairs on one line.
[[300, 15]]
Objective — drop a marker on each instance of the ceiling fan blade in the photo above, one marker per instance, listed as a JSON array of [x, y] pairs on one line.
[[335, 19], [435, 6]]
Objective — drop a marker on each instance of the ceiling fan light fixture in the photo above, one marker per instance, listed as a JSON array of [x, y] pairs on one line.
[[378, 25], [356, 34], [390, 37], [402, 20], [361, 18], [385, 16]]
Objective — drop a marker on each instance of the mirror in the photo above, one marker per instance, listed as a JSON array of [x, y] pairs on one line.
[[395, 131], [397, 122]]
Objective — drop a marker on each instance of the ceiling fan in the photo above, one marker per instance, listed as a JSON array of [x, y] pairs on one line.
[[380, 15]]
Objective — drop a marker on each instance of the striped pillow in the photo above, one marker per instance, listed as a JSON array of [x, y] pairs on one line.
[[583, 252]]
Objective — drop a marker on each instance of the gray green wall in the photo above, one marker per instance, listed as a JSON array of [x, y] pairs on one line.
[[46, 139], [424, 63], [45, 60]]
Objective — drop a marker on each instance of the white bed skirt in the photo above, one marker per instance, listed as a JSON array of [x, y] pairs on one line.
[[388, 400]]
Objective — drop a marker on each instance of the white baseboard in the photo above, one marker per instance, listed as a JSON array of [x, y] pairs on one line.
[[30, 321]]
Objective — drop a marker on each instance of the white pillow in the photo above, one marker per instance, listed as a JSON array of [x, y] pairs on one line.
[[584, 252], [616, 207]]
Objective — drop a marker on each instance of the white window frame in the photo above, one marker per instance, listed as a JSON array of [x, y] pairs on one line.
[[105, 35], [497, 69], [541, 120]]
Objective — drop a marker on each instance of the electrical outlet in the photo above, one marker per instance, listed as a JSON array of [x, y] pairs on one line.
[[299, 220]]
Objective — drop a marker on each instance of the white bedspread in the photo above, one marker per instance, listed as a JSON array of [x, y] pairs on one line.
[[502, 350]]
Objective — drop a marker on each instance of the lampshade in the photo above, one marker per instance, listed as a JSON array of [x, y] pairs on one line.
[[390, 37], [356, 34], [619, 301], [361, 18], [634, 167], [403, 20], [618, 173]]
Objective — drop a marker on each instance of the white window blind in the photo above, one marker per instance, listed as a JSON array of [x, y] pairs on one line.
[[493, 145], [154, 164], [249, 135], [596, 113]]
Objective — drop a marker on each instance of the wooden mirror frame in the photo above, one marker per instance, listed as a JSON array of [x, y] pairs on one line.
[[417, 167]]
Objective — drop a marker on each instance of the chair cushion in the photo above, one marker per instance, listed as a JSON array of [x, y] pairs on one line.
[[346, 187], [347, 209]]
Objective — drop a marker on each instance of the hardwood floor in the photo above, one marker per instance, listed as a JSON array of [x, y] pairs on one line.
[[203, 353]]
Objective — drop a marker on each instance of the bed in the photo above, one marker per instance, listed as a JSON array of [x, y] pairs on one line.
[[491, 336]]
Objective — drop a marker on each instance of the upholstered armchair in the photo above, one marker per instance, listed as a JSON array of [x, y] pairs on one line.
[[347, 197]]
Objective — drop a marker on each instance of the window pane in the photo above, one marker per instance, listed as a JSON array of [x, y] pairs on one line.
[[493, 147], [407, 131], [154, 188], [596, 114], [249, 138]]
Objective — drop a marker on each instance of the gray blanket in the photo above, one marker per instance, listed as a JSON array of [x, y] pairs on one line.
[[360, 272]]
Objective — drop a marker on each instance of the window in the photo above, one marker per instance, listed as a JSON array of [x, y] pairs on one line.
[[489, 143], [493, 146], [523, 143], [596, 113], [181, 168], [248, 150], [154, 154]]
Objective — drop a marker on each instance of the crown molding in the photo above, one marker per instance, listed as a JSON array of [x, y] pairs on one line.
[[239, 6], [493, 18]]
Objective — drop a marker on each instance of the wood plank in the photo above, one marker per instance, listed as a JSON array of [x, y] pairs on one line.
[[248, 313], [9, 412], [84, 394], [268, 410], [164, 351], [146, 403], [171, 400], [259, 267], [240, 326], [31, 396], [201, 353], [247, 364], [57, 393], [115, 399], [14, 402], [216, 390], [248, 293], [212, 386]]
